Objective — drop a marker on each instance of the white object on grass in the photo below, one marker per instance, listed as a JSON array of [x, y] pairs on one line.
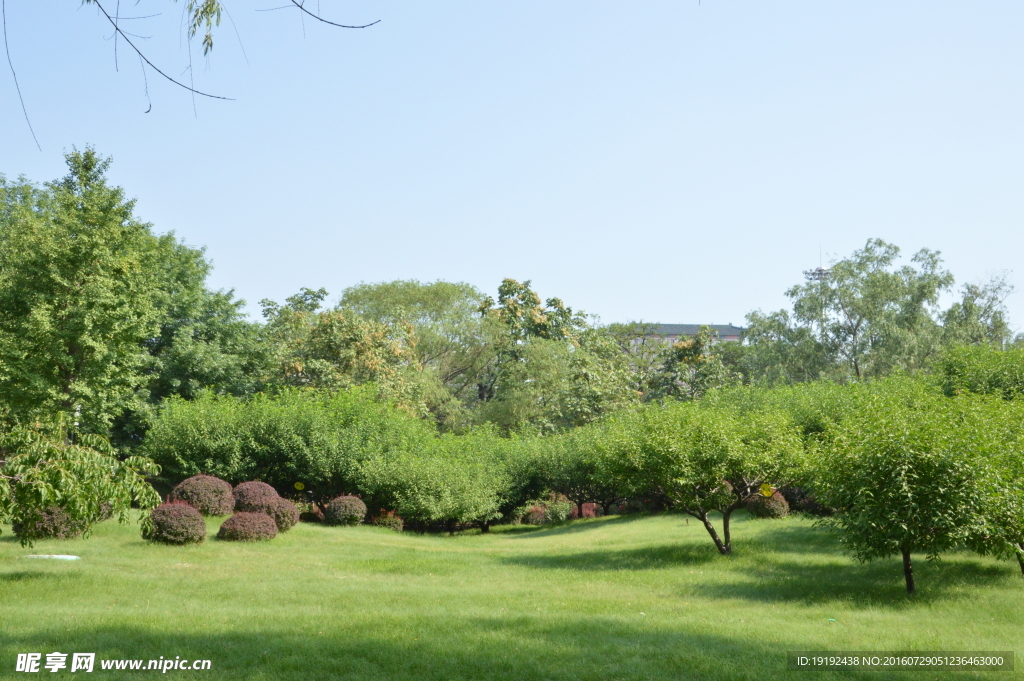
[[56, 557]]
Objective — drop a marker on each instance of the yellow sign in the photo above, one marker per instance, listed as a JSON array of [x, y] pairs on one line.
[[299, 486], [766, 490]]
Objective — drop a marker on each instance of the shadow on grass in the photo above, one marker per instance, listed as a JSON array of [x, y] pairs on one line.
[[481, 649], [30, 576], [572, 526], [878, 583], [645, 558]]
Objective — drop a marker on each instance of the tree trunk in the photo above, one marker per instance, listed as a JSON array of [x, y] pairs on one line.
[[1020, 557], [579, 511], [908, 570], [726, 533], [485, 526], [722, 548]]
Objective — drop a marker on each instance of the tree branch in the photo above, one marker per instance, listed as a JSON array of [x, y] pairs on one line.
[[319, 18]]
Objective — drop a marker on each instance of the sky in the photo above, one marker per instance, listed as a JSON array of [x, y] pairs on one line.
[[674, 162]]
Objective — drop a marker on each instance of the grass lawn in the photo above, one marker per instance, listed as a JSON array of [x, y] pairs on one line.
[[619, 598]]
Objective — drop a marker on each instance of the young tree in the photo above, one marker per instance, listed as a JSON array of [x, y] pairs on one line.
[[691, 367], [905, 472]]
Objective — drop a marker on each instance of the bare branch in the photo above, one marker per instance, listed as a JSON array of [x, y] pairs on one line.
[[151, 64], [319, 18], [7, 47]]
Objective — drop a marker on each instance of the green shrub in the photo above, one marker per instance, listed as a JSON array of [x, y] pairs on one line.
[[50, 523], [253, 497], [345, 510], [176, 523], [247, 526], [205, 493], [284, 513], [774, 506], [390, 521]]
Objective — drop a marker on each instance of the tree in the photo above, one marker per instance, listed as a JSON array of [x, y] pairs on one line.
[[702, 459], [40, 469], [905, 471], [336, 349], [862, 319], [691, 367], [77, 296]]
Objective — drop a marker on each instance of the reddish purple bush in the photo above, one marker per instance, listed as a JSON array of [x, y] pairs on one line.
[[389, 520], [176, 523], [250, 497], [205, 493], [283, 513], [51, 523], [247, 526], [345, 511]]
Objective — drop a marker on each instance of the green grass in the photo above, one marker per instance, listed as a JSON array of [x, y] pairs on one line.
[[623, 598]]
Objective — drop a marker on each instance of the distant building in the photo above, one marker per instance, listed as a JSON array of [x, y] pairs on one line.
[[672, 333]]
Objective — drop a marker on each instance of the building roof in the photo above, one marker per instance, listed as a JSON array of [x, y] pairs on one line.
[[692, 329]]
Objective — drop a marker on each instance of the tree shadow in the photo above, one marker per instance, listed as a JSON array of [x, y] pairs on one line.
[[644, 558], [508, 648], [876, 583], [31, 576], [572, 526]]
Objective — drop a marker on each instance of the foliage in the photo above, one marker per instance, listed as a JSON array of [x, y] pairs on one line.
[[389, 520], [905, 472], [41, 469], [338, 349], [315, 438], [867, 318], [207, 494], [176, 523], [983, 369], [244, 526], [691, 367], [772, 506], [284, 513], [51, 523], [253, 496], [346, 510], [452, 480], [77, 296]]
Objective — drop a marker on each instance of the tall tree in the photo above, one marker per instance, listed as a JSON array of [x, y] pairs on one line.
[[76, 295]]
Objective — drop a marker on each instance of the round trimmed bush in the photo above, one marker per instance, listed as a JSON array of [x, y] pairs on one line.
[[205, 493], [345, 511], [246, 526], [176, 523], [251, 497], [52, 523], [774, 506], [283, 512], [390, 521]]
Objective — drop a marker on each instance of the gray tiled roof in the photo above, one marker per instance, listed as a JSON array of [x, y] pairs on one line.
[[692, 329]]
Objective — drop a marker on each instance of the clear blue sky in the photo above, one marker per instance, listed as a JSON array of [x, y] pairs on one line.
[[664, 161]]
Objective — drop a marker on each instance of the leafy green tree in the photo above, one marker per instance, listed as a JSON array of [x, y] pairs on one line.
[[335, 349], [76, 295], [863, 319], [691, 367], [573, 467], [702, 459], [979, 317], [40, 468], [905, 471]]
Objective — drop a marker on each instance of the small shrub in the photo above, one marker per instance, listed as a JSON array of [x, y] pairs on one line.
[[283, 512], [250, 497], [389, 520], [176, 523], [535, 515], [800, 499], [246, 526], [774, 506], [52, 523], [345, 511], [205, 493]]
